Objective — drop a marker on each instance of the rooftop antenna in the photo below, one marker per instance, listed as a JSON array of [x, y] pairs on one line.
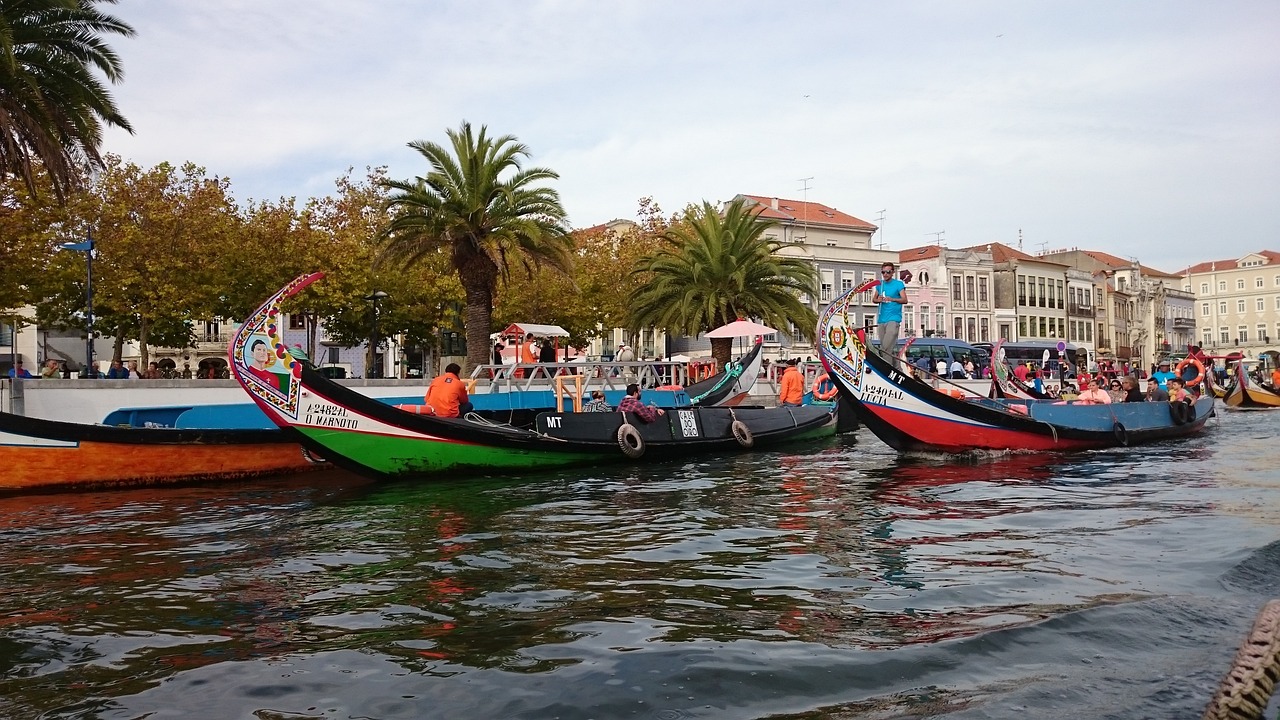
[[1044, 247], [880, 229], [1019, 239], [937, 236], [805, 188]]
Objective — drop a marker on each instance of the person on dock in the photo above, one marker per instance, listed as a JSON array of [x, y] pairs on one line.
[[891, 295], [631, 404], [51, 369], [791, 386], [17, 371], [117, 371], [447, 395]]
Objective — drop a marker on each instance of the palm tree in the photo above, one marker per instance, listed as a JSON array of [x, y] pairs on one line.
[[52, 106], [717, 268], [482, 207]]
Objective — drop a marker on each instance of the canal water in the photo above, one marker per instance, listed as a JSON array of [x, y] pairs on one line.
[[834, 580]]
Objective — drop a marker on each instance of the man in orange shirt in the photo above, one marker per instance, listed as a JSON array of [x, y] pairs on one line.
[[447, 395], [791, 389]]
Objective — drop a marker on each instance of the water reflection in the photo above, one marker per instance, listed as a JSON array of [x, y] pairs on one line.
[[647, 576]]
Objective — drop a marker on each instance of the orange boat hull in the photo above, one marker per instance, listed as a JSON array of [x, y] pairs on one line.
[[88, 463]]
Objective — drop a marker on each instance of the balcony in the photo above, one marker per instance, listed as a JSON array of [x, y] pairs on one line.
[[1184, 323]]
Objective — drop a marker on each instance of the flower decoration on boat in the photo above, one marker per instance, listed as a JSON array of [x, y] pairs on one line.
[[257, 347]]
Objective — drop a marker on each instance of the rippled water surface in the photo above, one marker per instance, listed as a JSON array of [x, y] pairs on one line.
[[836, 580]]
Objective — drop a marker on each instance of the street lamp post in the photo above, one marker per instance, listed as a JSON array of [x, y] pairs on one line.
[[375, 297], [86, 247]]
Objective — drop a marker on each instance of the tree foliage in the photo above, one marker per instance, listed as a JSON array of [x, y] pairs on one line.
[[481, 206], [714, 268], [52, 104]]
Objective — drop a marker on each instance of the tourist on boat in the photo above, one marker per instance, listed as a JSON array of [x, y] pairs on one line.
[[447, 394], [1093, 394], [1116, 390], [1155, 393], [1022, 371], [1162, 375], [791, 387], [891, 295], [631, 404], [1176, 391], [1131, 392], [597, 403], [17, 371]]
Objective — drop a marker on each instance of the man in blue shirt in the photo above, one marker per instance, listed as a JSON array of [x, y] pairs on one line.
[[1162, 375], [891, 295], [20, 372]]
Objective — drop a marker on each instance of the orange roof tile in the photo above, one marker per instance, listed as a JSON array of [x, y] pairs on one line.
[[1003, 253], [1232, 264], [925, 252], [800, 211]]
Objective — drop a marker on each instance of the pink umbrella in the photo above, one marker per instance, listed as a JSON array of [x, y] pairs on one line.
[[740, 328]]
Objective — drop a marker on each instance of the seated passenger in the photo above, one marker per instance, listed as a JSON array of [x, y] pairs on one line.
[[1131, 391], [1177, 393], [597, 403], [447, 395], [631, 404], [1094, 395]]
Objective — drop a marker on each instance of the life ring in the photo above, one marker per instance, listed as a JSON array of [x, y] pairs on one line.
[[953, 392], [1182, 413], [1122, 435], [1199, 366], [742, 434], [824, 395], [670, 388], [629, 441]]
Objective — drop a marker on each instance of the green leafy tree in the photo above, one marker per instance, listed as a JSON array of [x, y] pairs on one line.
[[486, 211], [52, 104], [715, 268]]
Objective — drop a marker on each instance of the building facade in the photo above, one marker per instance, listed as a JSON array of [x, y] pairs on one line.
[[1237, 302]]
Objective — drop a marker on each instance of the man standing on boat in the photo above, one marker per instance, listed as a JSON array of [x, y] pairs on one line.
[[791, 388], [891, 295], [447, 394]]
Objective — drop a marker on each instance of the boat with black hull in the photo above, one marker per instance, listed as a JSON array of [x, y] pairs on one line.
[[379, 440]]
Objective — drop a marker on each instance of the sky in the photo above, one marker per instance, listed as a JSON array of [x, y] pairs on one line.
[[1150, 130]]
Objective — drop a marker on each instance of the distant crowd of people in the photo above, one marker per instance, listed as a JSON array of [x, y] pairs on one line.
[[119, 371]]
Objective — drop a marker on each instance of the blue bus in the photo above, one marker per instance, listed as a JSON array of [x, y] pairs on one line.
[[1058, 364]]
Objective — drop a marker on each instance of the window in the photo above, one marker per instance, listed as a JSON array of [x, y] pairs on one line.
[[1088, 298], [1006, 330], [297, 321], [908, 320], [846, 281], [1222, 286], [1262, 332], [1059, 283], [957, 328], [972, 335], [333, 354], [1243, 333], [1222, 307], [984, 330], [828, 283], [955, 288], [1022, 327], [1204, 287], [1031, 292], [1239, 283], [982, 290], [1257, 282], [866, 296], [1278, 302], [1044, 327], [924, 319], [939, 320], [1204, 308], [1240, 307], [1277, 283], [1040, 284], [1224, 335], [1022, 291], [969, 294], [1262, 304]]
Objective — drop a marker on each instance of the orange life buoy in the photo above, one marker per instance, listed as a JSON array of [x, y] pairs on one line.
[[1199, 366], [824, 395], [957, 394], [417, 409]]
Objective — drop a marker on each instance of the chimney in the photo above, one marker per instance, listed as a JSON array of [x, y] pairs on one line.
[[774, 203]]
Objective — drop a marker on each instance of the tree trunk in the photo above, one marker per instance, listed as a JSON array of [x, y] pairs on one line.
[[117, 349], [476, 317], [144, 330], [722, 351]]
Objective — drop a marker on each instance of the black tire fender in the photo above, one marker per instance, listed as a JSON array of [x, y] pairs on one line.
[[629, 441], [1122, 434], [742, 434], [1180, 412]]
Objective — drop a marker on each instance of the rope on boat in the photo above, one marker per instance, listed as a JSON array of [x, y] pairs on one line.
[[1247, 688]]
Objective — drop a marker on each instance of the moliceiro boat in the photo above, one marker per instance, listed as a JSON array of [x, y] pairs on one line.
[[910, 415], [47, 454], [375, 439], [1244, 393]]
